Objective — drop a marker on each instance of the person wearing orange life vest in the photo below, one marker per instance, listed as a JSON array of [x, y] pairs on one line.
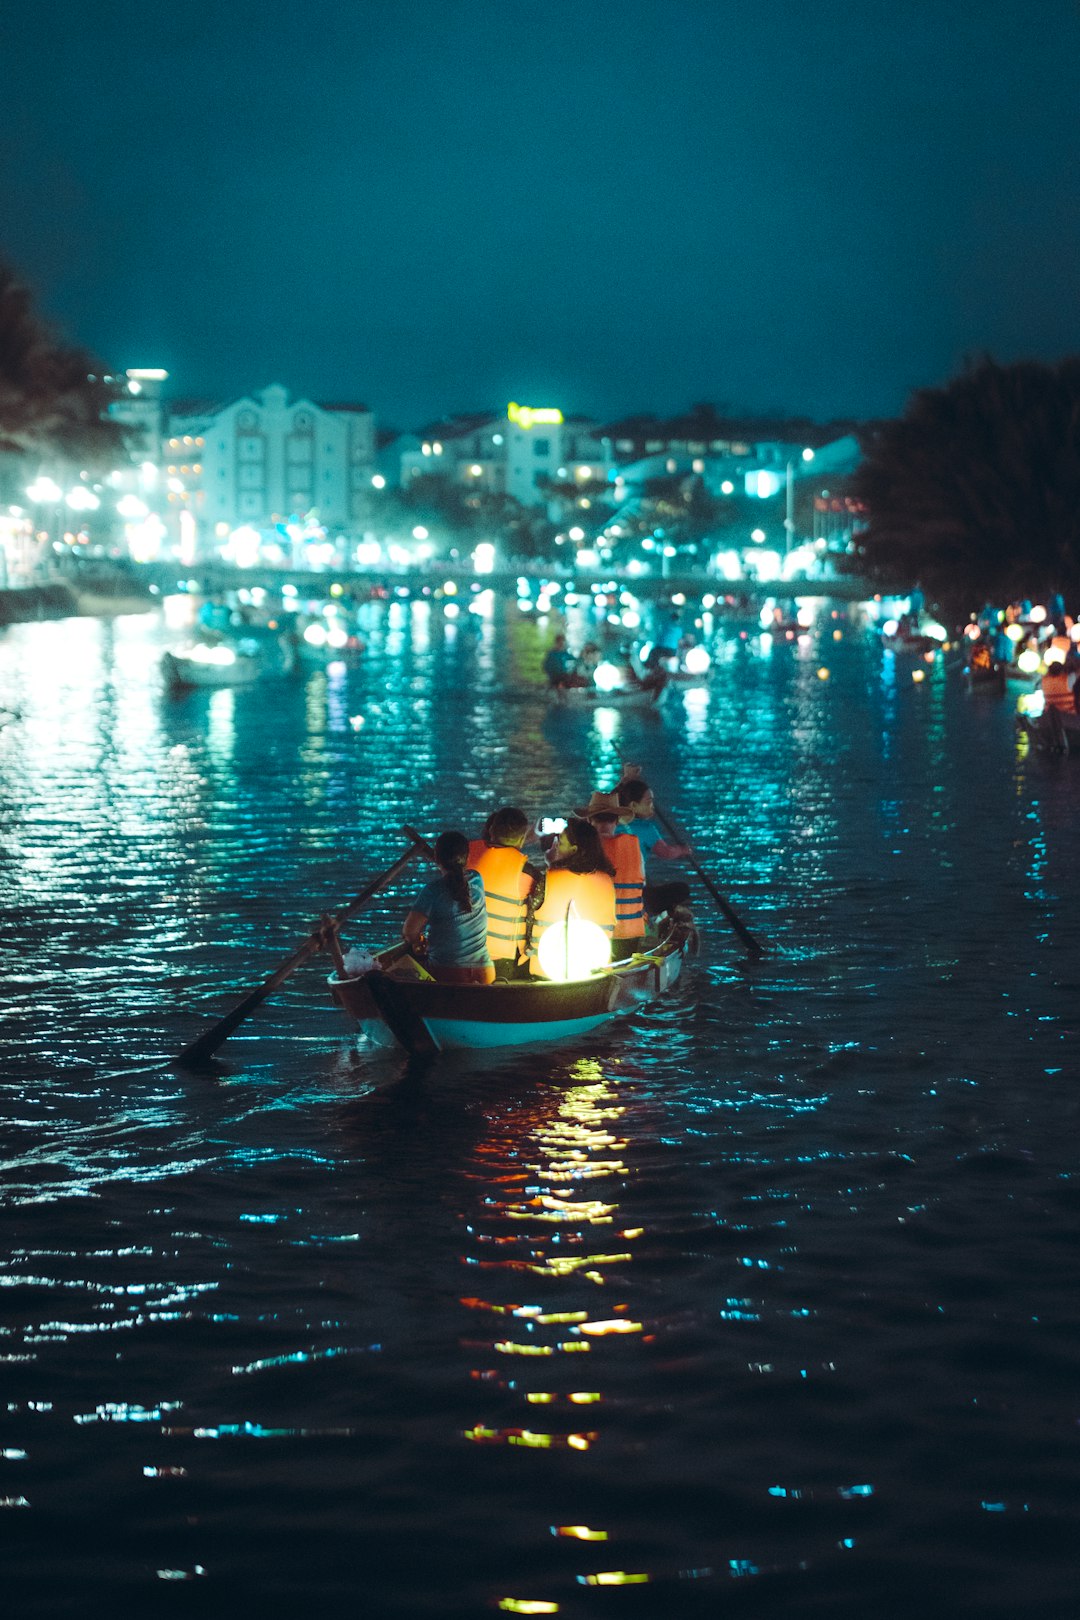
[[513, 887], [579, 876], [623, 850], [1059, 722]]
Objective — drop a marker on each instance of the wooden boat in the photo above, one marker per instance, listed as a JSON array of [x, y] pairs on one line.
[[424, 1016], [637, 693], [211, 665], [989, 678]]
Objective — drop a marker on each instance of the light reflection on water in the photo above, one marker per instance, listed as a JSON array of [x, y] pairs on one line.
[[793, 1248]]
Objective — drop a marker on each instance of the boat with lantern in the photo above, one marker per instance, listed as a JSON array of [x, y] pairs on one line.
[[614, 686], [425, 1016], [212, 663]]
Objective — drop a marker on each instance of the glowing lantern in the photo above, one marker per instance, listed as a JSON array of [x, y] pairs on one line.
[[823, 673], [608, 677], [573, 949], [918, 675], [1029, 661], [202, 654], [697, 660], [315, 635], [890, 627], [1014, 632]]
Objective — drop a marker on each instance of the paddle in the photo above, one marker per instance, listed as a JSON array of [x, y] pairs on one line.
[[199, 1050], [736, 923]]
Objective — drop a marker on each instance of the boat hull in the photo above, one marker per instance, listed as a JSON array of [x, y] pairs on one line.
[[181, 670], [424, 1016]]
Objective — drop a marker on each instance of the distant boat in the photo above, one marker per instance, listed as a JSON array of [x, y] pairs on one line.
[[211, 664]]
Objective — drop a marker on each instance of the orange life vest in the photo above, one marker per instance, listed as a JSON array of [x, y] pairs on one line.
[[506, 887], [1057, 690], [624, 853], [592, 895]]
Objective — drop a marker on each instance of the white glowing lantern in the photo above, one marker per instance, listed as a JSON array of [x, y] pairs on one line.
[[608, 677], [130, 506], [1054, 655], [1014, 632], [222, 656], [573, 949], [890, 627], [315, 635], [337, 639], [1037, 615], [1028, 661], [483, 558], [1031, 704], [697, 660], [931, 628], [806, 616]]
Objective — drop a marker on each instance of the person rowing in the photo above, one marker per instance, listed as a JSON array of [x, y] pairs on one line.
[[452, 912], [636, 795]]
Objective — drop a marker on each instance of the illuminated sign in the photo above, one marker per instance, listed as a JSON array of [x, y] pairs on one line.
[[526, 417]]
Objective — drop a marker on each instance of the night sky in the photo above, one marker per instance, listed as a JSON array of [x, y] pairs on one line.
[[813, 206]]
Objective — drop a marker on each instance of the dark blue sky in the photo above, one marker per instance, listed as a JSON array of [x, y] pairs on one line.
[[611, 205]]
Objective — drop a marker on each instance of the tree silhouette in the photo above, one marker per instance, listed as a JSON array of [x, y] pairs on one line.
[[53, 396], [976, 488]]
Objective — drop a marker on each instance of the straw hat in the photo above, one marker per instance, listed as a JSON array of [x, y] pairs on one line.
[[605, 804]]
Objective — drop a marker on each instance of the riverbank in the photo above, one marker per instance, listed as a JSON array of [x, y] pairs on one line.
[[99, 598]]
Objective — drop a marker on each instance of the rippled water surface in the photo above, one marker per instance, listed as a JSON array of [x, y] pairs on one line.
[[764, 1304]]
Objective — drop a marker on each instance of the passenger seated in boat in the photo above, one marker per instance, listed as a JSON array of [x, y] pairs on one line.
[[513, 887], [559, 664], [579, 875], [452, 912], [636, 795], [1059, 723], [623, 850]]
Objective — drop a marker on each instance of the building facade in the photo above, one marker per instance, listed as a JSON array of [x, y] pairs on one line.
[[266, 460], [531, 453]]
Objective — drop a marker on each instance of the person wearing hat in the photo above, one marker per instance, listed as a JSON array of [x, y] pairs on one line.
[[623, 850]]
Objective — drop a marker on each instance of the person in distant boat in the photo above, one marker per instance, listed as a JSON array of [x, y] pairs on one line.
[[1059, 722], [622, 849], [452, 912], [513, 887], [665, 645], [559, 665], [579, 875], [636, 795]]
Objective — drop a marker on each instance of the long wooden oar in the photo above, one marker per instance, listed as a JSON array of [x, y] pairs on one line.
[[199, 1050], [735, 921]]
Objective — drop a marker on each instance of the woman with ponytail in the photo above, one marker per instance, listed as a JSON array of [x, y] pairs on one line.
[[452, 912]]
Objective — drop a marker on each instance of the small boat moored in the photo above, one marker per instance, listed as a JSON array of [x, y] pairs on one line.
[[425, 1016], [206, 664]]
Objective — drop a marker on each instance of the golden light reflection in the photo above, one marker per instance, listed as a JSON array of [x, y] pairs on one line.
[[551, 1173], [528, 1606]]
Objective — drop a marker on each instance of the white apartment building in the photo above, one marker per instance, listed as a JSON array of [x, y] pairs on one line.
[[265, 459], [525, 453]]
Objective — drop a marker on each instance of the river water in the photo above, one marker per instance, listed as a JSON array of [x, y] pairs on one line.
[[764, 1304]]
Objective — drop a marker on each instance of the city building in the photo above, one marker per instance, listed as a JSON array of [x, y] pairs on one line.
[[266, 460], [533, 453]]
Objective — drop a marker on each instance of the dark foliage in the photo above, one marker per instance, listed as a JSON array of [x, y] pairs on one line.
[[53, 397], [975, 490]]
